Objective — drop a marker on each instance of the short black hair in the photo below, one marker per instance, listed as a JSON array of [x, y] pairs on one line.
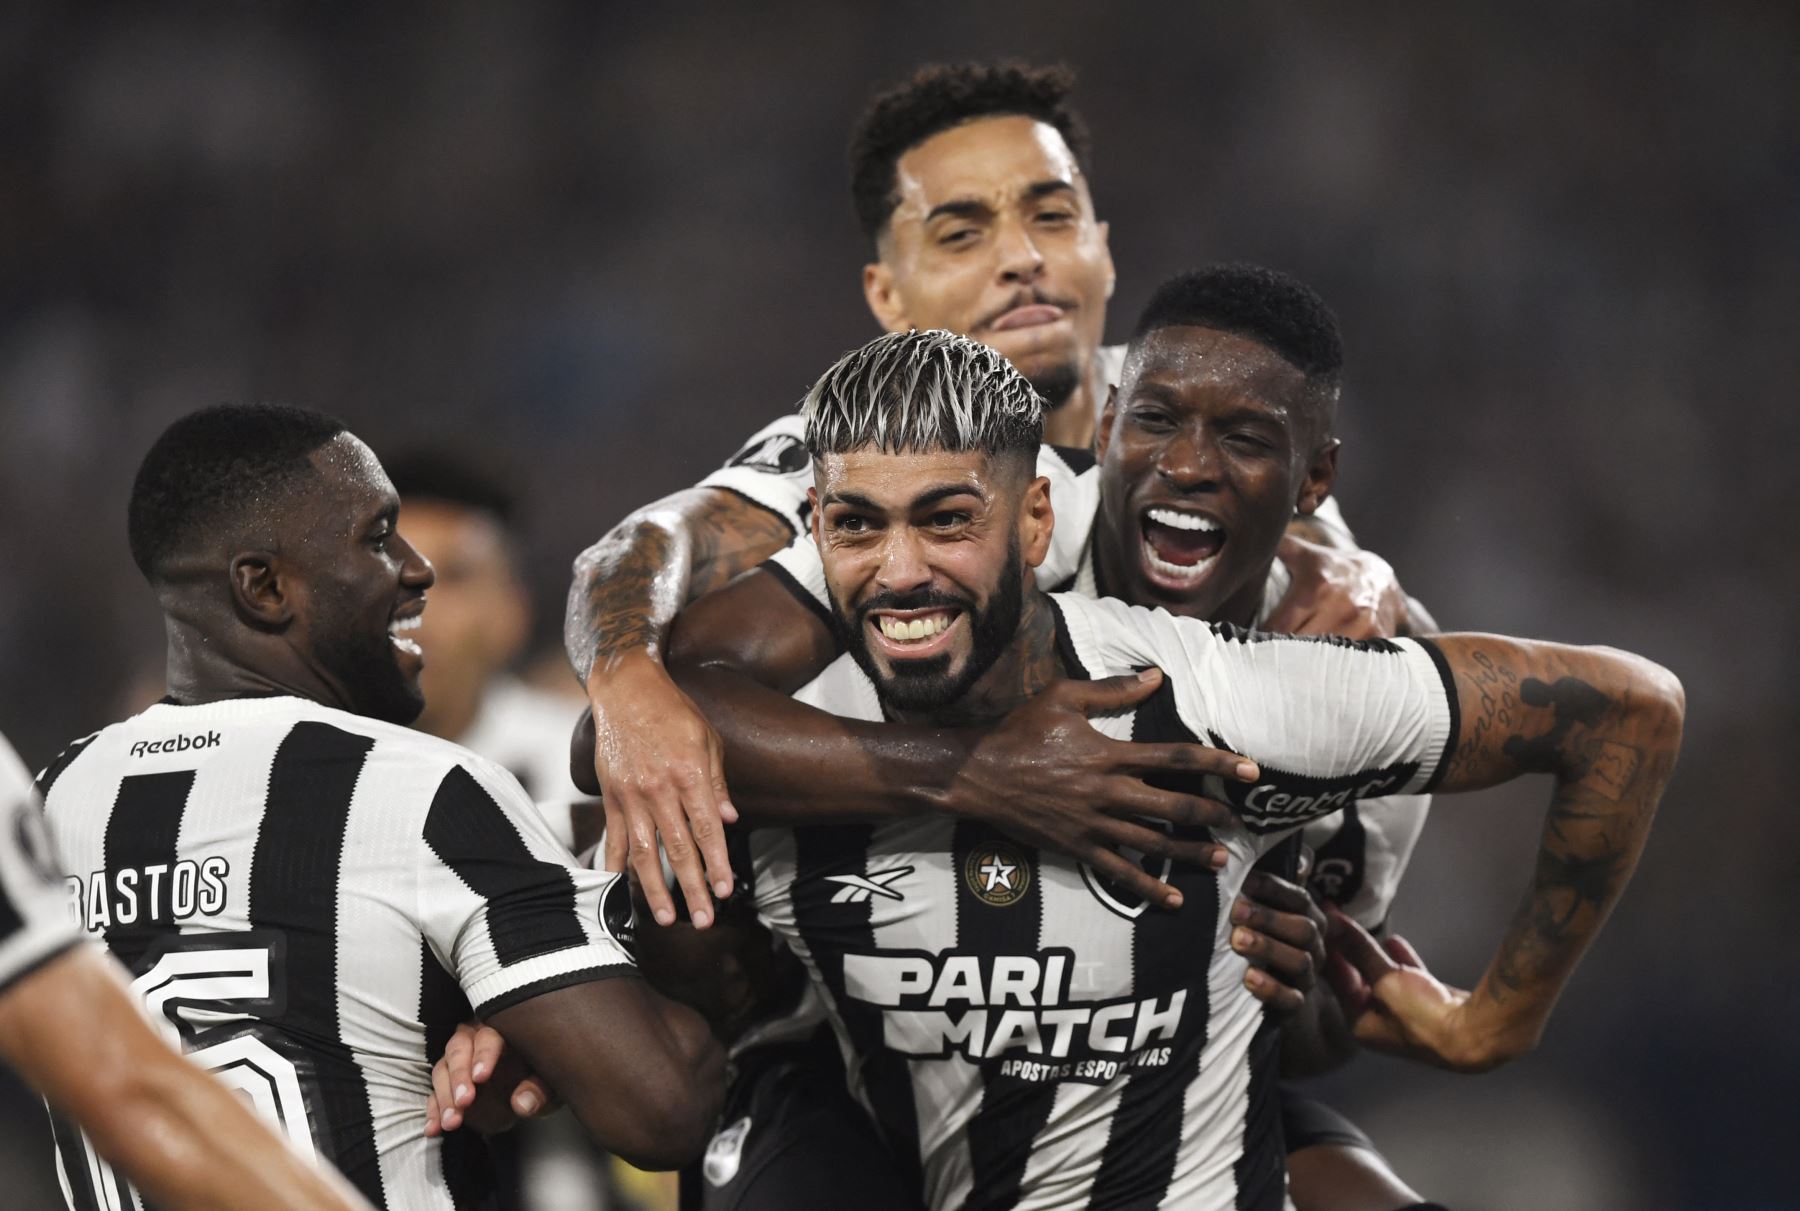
[[444, 475], [1267, 306], [939, 96], [212, 462]]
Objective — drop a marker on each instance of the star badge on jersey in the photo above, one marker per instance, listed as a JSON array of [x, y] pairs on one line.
[[997, 874]]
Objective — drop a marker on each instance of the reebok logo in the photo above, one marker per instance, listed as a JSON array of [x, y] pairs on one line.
[[858, 889], [176, 744]]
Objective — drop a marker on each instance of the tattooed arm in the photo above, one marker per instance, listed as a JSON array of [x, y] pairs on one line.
[[658, 762], [1606, 726]]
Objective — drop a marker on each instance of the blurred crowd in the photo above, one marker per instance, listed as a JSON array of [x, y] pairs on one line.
[[597, 246]]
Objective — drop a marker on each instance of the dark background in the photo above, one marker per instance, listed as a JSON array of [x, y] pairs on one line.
[[602, 245]]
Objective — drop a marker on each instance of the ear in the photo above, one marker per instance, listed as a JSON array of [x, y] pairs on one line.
[[1321, 474], [1103, 435], [1037, 520], [260, 591], [883, 296]]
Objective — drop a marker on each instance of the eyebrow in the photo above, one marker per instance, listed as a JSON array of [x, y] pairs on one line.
[[974, 208], [1252, 409], [857, 500]]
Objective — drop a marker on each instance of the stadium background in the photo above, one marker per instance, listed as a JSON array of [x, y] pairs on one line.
[[601, 245]]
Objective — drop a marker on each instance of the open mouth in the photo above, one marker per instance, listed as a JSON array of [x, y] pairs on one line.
[[1179, 545], [402, 623], [905, 634]]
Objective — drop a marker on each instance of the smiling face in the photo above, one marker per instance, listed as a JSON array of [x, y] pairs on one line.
[[359, 587], [926, 559], [994, 237], [1207, 449]]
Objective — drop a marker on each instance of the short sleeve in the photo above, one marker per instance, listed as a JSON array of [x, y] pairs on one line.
[[504, 905], [35, 921], [1329, 721], [772, 470]]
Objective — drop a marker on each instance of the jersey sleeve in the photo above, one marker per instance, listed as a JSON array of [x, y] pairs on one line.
[[772, 470], [1075, 500], [35, 924], [1329, 721], [1361, 854], [504, 905]]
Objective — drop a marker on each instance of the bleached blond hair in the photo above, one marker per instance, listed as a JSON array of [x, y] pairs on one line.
[[912, 392]]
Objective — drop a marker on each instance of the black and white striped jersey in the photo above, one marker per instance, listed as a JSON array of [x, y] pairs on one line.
[[1359, 854], [35, 925], [309, 901], [1029, 1034]]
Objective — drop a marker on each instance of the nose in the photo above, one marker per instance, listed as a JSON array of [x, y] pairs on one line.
[[1020, 261], [416, 571], [903, 565], [1188, 461]]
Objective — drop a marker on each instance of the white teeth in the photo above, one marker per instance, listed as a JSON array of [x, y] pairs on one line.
[[407, 645], [1181, 521], [406, 624], [914, 629], [1191, 573]]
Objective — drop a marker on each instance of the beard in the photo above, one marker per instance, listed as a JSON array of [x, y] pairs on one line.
[[930, 685], [366, 665], [1056, 385]]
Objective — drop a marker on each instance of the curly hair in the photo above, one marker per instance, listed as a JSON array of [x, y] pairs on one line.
[[1268, 306], [938, 97]]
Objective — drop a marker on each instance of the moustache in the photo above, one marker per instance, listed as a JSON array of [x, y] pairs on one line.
[[918, 599]]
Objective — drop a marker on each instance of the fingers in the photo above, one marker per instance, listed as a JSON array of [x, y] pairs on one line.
[[1403, 952], [1132, 797], [440, 1110], [1153, 841], [485, 1054], [645, 862], [721, 795], [1277, 893], [1294, 966], [457, 1059], [531, 1097], [1132, 878], [1185, 759], [616, 841], [1109, 693], [1281, 999], [1359, 948], [685, 856], [1296, 930]]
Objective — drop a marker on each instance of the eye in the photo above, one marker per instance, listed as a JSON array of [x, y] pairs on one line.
[[1152, 419], [1249, 441], [1055, 218], [850, 523], [948, 519], [959, 236]]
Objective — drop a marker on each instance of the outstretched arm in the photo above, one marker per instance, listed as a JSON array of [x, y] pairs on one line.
[[1606, 726], [183, 1139], [657, 761]]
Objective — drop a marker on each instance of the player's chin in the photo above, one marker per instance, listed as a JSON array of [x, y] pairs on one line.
[[1038, 349]]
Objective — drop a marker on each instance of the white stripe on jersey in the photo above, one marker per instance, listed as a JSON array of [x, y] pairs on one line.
[[1359, 714], [371, 845], [34, 917]]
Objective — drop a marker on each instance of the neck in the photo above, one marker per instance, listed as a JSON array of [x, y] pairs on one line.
[[1028, 666], [1073, 423], [210, 665]]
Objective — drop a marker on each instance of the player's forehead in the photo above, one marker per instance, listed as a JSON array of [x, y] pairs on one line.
[[996, 161], [350, 484], [1196, 366], [897, 482]]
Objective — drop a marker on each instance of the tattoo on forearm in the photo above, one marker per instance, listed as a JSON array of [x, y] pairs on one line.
[[630, 585]]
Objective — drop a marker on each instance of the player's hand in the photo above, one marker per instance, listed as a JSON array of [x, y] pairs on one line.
[[477, 1082], [661, 773], [1336, 592], [1281, 930], [1394, 1004], [1045, 776]]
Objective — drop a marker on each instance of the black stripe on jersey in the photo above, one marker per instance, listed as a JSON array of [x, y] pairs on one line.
[[47, 778], [530, 903], [1339, 865], [294, 873], [141, 832], [1454, 734], [1075, 458], [1065, 647], [468, 1167], [786, 579], [1004, 1126], [1261, 1169], [1170, 955], [1281, 799], [829, 930]]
